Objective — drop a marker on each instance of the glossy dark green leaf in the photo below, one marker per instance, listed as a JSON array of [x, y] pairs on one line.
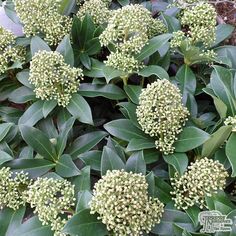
[[65, 49], [96, 70], [221, 83], [23, 77], [230, 152], [76, 29], [153, 45], [66, 6], [171, 22], [110, 91], [65, 167], [85, 60], [63, 136], [34, 167], [92, 159], [187, 81], [4, 157], [33, 114], [140, 144], [80, 109], [223, 31], [111, 73], [33, 227], [4, 129], [193, 213], [154, 70], [85, 142], [150, 178], [190, 138], [84, 224], [37, 44], [178, 160], [82, 181], [83, 199], [215, 141], [93, 46], [171, 217], [227, 51], [136, 163], [133, 91], [22, 95], [39, 141], [124, 129], [110, 161], [48, 106]]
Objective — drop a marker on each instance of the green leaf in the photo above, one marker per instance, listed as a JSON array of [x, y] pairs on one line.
[[84, 224], [110, 161], [133, 92], [178, 160], [48, 106], [33, 227], [65, 167], [171, 217], [230, 152], [33, 114], [84, 197], [4, 157], [223, 31], [4, 129], [190, 138], [136, 163], [38, 141], [124, 129], [221, 83], [76, 30], [93, 46], [96, 70], [150, 178], [154, 70], [153, 45], [80, 109], [110, 91], [21, 95], [187, 81], [37, 44], [34, 167], [92, 159], [63, 136], [85, 60], [227, 51], [172, 23], [215, 141], [193, 213], [85, 142], [23, 78], [82, 181], [111, 73], [65, 49], [140, 144], [66, 7]]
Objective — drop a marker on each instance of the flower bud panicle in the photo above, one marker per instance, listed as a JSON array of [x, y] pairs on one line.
[[122, 202], [52, 78], [161, 113], [43, 17], [202, 178]]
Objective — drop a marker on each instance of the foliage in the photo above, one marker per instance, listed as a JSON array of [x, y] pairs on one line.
[[111, 108]]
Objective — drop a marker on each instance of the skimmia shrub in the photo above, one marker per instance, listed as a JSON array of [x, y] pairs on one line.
[[117, 118]]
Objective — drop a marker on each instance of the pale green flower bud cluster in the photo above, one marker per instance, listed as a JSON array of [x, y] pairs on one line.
[[186, 3], [161, 113], [97, 9], [9, 52], [11, 186], [203, 178], [129, 29], [231, 121], [53, 78], [201, 21], [43, 17], [51, 198], [121, 199]]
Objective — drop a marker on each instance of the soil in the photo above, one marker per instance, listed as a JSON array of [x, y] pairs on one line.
[[227, 14]]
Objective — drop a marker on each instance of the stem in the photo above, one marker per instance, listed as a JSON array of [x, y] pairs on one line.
[[125, 80], [142, 82]]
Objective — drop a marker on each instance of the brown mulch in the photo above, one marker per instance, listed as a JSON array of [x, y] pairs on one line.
[[227, 13]]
